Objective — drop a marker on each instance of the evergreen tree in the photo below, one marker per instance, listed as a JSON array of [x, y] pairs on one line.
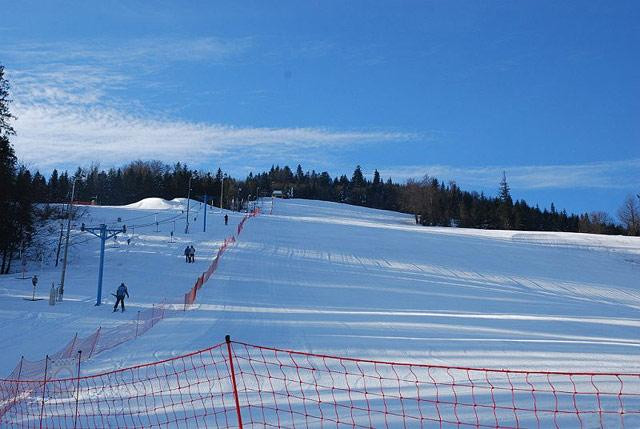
[[356, 188], [506, 204], [5, 114], [52, 191], [7, 185], [9, 210]]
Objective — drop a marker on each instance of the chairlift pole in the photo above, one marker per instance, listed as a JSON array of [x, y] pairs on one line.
[[186, 228], [204, 222], [222, 189], [103, 233]]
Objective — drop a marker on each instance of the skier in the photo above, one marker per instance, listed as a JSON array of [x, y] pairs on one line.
[[120, 294], [192, 253], [34, 280], [187, 254], [226, 219]]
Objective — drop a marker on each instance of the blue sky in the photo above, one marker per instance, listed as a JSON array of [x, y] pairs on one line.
[[462, 90]]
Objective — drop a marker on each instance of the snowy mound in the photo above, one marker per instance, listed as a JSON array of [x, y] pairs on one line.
[[161, 204], [153, 204]]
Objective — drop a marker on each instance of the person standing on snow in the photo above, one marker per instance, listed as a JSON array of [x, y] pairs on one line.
[[226, 219], [120, 294], [192, 253], [187, 254]]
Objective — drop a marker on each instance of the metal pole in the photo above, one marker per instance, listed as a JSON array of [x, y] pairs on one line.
[[103, 238], [186, 228], [75, 420], [204, 223], [138, 323], [227, 338], [221, 190], [66, 245], [44, 387]]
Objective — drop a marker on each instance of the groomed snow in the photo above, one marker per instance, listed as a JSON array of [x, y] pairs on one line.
[[338, 279]]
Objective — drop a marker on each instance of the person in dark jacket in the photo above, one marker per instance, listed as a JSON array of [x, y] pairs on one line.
[[226, 219], [120, 294], [187, 254]]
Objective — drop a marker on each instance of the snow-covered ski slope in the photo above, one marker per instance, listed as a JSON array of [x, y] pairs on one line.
[[344, 280]]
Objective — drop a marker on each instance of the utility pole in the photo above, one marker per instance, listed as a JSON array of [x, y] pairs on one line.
[[204, 223], [59, 242], [103, 233], [186, 228], [66, 245], [221, 189]]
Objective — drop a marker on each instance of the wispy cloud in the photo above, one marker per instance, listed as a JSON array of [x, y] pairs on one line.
[[73, 108], [65, 84], [49, 137], [142, 51], [605, 175]]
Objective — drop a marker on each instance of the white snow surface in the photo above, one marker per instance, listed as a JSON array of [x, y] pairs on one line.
[[155, 203], [343, 280]]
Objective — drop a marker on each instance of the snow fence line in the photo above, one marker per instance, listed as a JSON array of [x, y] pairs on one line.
[[192, 294], [235, 384], [67, 360]]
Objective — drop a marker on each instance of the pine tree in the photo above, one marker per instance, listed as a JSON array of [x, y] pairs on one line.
[[7, 185], [8, 209], [357, 191], [5, 114], [505, 208], [53, 187]]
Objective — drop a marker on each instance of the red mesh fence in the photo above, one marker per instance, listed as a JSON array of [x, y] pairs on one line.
[[190, 390], [242, 385], [191, 296], [65, 359], [102, 339]]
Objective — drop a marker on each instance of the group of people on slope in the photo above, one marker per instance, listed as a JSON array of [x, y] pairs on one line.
[[190, 254], [122, 291]]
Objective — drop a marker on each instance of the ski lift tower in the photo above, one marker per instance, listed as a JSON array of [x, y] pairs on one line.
[[103, 233]]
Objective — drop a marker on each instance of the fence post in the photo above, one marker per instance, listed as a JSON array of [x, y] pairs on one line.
[[44, 388], [138, 322], [227, 338], [75, 420]]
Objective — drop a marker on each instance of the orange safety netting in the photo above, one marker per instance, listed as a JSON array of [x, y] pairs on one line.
[[236, 384]]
